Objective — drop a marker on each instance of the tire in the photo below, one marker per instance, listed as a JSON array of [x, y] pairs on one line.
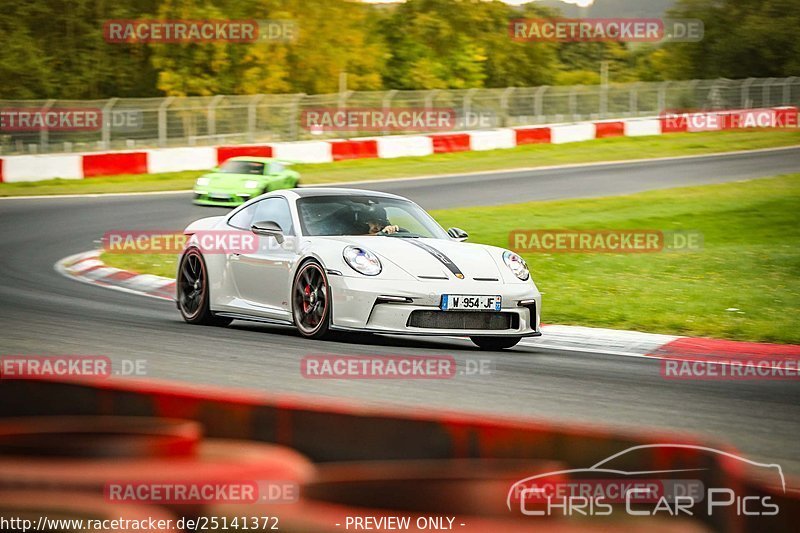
[[494, 344], [192, 291], [311, 301]]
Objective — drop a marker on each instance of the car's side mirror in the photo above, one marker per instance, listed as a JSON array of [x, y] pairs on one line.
[[268, 228], [458, 234]]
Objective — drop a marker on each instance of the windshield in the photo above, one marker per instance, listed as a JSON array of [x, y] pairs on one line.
[[366, 215], [242, 167]]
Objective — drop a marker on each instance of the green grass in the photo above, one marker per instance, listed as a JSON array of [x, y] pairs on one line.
[[750, 260], [618, 148]]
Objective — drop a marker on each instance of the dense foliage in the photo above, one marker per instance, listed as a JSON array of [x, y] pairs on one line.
[[56, 48]]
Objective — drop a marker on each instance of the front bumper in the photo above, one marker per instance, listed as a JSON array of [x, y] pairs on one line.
[[361, 304], [220, 198]]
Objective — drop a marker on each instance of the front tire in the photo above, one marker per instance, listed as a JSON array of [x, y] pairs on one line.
[[311, 301], [192, 291], [494, 344]]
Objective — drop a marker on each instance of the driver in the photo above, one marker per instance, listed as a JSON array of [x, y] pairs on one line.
[[377, 221]]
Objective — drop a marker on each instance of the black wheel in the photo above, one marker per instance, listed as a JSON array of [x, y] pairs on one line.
[[192, 295], [311, 301], [494, 344]]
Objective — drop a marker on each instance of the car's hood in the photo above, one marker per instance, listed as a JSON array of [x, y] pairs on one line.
[[230, 181], [431, 258]]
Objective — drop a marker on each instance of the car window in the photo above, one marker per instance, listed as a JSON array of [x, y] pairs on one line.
[[244, 218], [242, 167], [349, 215], [276, 210], [276, 168]]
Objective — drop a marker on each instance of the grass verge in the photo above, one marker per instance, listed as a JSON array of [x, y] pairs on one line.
[[537, 155], [750, 260]]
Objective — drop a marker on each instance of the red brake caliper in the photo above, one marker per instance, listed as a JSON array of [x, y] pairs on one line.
[[306, 304]]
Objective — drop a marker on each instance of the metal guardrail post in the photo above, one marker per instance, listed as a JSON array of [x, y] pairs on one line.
[[504, 104], [386, 103], [106, 133], [252, 116], [44, 133], [466, 104], [745, 103], [162, 120], [538, 102], [765, 92], [294, 119], [211, 122], [787, 89], [633, 100], [662, 96]]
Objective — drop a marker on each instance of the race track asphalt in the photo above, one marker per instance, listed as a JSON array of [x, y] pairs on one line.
[[43, 313]]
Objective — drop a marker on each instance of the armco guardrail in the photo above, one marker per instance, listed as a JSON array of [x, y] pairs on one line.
[[347, 460], [88, 165], [137, 123]]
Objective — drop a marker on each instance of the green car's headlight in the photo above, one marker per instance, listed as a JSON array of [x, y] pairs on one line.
[[202, 181], [251, 184]]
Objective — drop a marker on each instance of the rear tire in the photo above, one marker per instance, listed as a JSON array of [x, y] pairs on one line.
[[494, 344], [311, 301], [192, 291]]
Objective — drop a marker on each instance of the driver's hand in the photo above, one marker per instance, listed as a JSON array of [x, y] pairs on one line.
[[391, 229]]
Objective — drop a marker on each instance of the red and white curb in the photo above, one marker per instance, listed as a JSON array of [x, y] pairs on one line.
[[17, 168], [88, 268]]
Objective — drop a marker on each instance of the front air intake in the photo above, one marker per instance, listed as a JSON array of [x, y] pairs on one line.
[[462, 320]]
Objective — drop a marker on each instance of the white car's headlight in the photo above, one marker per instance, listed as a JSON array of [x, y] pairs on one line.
[[517, 265], [203, 181], [362, 261], [250, 184]]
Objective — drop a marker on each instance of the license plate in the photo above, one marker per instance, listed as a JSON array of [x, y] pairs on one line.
[[466, 302]]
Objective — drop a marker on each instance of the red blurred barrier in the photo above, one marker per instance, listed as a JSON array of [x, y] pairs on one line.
[[532, 135], [326, 431], [226, 152], [351, 149], [609, 129], [450, 142], [1, 170], [98, 436], [114, 163]]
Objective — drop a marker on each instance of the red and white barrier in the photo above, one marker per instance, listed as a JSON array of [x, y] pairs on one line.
[[491, 139], [78, 166], [570, 133], [642, 127], [404, 146], [178, 159]]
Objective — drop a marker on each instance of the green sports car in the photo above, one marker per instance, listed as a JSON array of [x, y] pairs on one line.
[[240, 178]]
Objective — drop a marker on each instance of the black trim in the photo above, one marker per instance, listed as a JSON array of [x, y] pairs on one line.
[[446, 261]]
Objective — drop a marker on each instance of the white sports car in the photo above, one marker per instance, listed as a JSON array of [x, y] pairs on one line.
[[352, 260]]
